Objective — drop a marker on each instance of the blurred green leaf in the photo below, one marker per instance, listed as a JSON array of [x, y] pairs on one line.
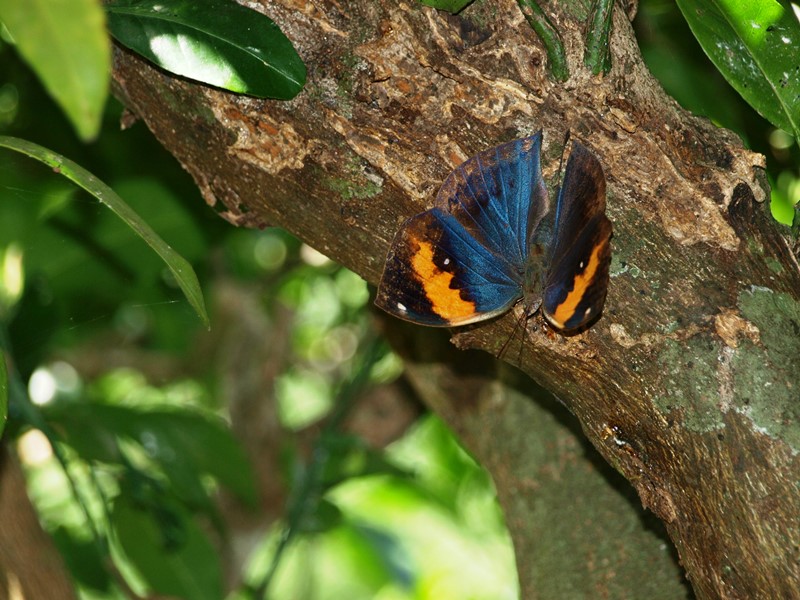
[[349, 457], [217, 42], [324, 517], [781, 208], [66, 44], [756, 46], [365, 554], [180, 268], [187, 569], [389, 549], [91, 433], [184, 444], [82, 558], [451, 6]]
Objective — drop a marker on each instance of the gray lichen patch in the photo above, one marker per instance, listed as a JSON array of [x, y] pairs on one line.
[[767, 376], [758, 376], [691, 383]]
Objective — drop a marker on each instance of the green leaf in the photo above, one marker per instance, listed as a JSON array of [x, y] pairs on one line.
[[782, 209], [549, 36], [756, 46], [3, 392], [325, 516], [350, 457], [184, 566], [451, 6], [82, 557], [217, 42], [90, 430], [66, 44], [180, 268], [185, 445]]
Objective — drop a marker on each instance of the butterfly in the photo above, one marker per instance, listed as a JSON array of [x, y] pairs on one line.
[[492, 239]]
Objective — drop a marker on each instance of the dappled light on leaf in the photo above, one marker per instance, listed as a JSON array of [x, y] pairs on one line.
[[217, 42]]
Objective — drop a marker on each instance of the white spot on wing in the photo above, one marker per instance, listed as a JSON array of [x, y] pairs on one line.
[[401, 307]]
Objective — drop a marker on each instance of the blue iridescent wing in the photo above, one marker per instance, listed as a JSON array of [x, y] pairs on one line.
[[499, 196], [464, 260], [580, 253], [438, 274]]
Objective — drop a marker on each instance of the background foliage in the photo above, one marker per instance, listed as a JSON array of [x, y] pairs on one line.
[[118, 406]]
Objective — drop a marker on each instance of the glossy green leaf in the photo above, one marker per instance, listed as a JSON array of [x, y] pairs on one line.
[[756, 46], [181, 562], [179, 267], [218, 42], [66, 44], [451, 6]]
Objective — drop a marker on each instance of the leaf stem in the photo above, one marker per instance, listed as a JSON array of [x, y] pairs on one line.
[[179, 266], [307, 493], [597, 56], [549, 36]]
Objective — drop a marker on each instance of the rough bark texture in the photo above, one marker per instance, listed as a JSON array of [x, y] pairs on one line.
[[687, 385]]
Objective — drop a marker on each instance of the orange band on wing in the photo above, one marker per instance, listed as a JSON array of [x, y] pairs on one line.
[[566, 309], [445, 301]]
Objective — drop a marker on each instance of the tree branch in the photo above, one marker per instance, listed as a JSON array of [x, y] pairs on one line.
[[688, 383]]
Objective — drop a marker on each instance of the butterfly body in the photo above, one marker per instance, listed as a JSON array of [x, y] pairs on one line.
[[492, 239]]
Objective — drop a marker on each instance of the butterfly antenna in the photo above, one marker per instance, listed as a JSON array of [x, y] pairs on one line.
[[567, 136]]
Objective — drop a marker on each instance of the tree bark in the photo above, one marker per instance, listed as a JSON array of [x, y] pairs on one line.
[[688, 384]]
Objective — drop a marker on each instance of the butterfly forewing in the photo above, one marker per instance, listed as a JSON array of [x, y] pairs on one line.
[[493, 194]]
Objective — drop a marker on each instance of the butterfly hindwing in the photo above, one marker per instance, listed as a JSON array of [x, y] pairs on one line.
[[438, 274], [577, 276], [581, 198]]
